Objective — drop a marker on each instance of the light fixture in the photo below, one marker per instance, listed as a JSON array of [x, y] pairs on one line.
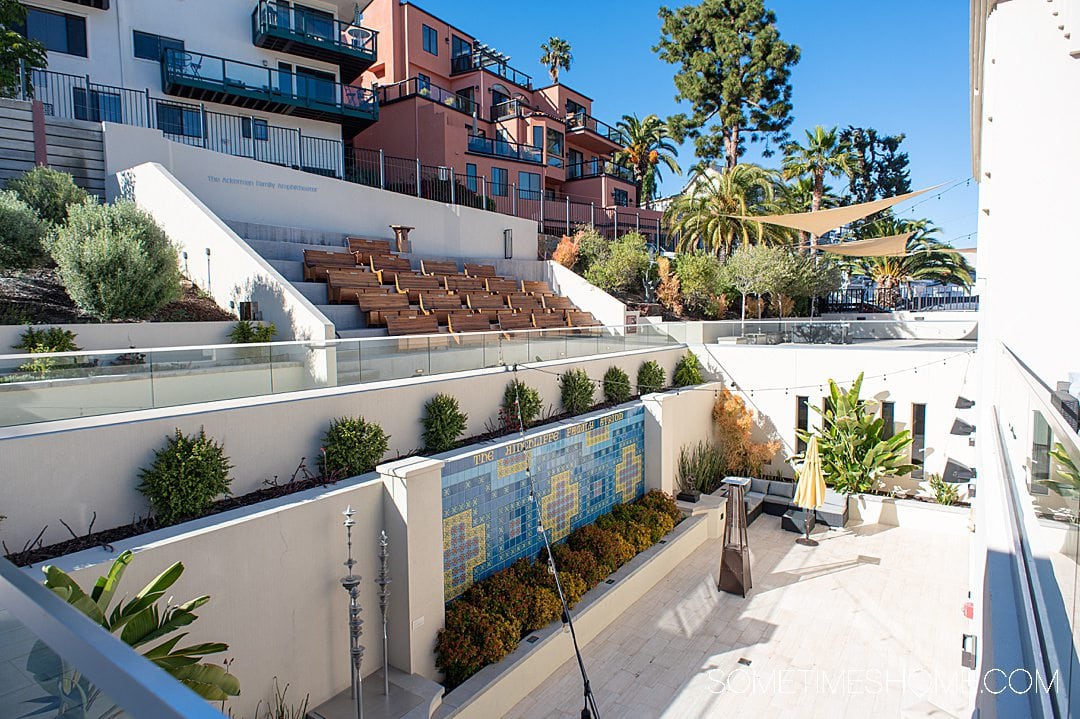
[[508, 243]]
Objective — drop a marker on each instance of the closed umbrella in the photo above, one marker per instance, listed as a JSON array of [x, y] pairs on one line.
[[810, 492]]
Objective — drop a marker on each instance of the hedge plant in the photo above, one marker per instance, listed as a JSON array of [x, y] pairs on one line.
[[576, 391], [687, 371], [520, 398], [46, 341], [352, 447], [470, 640], [186, 476], [616, 386], [115, 261], [50, 193], [22, 234], [650, 377], [245, 332], [444, 423]]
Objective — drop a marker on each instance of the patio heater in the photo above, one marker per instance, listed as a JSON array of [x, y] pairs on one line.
[[351, 584], [735, 559], [384, 596]]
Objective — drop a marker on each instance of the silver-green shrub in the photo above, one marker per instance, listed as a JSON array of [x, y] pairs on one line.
[[22, 234]]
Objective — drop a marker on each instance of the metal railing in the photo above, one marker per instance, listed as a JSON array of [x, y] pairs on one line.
[[313, 28], [495, 147], [415, 87], [484, 61], [599, 168], [584, 121], [509, 109], [908, 299]]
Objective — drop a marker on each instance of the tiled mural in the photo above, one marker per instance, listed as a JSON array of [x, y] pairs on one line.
[[579, 472]]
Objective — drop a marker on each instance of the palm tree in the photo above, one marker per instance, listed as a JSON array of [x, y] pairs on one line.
[[796, 197], [648, 146], [702, 216], [556, 55], [824, 154], [927, 258]]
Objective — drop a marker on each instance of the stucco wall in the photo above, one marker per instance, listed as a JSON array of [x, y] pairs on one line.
[[124, 335]]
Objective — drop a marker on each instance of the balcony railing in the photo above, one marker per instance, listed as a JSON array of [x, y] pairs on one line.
[[217, 79], [505, 148], [482, 61], [298, 31], [508, 109], [582, 121], [598, 168], [415, 87]]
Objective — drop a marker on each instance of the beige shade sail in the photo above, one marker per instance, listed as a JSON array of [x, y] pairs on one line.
[[820, 222], [891, 246], [810, 491]]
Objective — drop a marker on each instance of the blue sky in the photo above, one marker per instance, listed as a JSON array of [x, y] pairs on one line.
[[897, 67]]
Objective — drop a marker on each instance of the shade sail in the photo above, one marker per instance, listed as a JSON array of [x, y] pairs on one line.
[[820, 222], [810, 491], [891, 246]]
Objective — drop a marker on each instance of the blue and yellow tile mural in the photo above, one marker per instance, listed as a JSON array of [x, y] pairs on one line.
[[578, 471]]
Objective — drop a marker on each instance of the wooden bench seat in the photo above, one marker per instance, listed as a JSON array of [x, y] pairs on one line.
[[477, 270], [558, 302], [536, 288], [377, 318], [548, 320], [387, 301], [518, 321], [576, 318], [420, 325], [524, 302], [469, 323], [430, 302], [317, 261], [485, 301], [462, 283], [340, 279], [389, 262], [351, 295], [404, 282], [368, 245], [445, 314], [502, 286], [434, 267]]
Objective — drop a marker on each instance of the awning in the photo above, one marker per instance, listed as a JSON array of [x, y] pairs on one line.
[[820, 222], [891, 246]]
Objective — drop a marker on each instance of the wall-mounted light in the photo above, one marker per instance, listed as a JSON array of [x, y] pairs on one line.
[[508, 243]]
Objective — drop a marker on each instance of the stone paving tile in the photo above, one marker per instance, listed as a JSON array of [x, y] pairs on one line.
[[867, 624]]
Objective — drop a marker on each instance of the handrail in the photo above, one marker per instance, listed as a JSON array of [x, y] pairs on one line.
[[584, 121], [483, 61], [597, 168], [269, 15], [415, 87], [505, 148]]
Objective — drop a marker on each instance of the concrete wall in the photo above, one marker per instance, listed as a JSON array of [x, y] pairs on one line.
[[675, 420], [126, 335], [587, 297], [249, 191]]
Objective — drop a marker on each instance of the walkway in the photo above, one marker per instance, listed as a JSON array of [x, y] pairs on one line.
[[868, 624]]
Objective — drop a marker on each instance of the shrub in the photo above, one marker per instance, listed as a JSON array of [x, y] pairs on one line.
[[514, 595], [624, 265], [539, 574], [520, 401], [48, 192], [592, 248], [470, 640], [245, 332], [53, 339], [661, 502], [444, 423], [616, 385], [566, 254], [701, 280], [22, 234], [578, 562], [701, 467], [733, 426], [650, 377], [687, 371], [186, 476], [669, 290], [115, 261], [352, 447], [636, 535], [944, 492], [576, 390], [609, 549]]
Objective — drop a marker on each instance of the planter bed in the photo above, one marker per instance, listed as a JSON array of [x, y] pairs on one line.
[[914, 513]]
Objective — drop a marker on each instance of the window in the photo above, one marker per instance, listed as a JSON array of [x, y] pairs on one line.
[[529, 185], [888, 417], [802, 421], [554, 147], [56, 31], [467, 97], [538, 137], [918, 439], [179, 120], [500, 181], [1042, 438], [470, 176], [97, 106], [285, 78], [575, 162], [152, 47], [423, 83], [312, 22], [431, 40], [316, 85], [573, 108], [459, 47], [260, 127], [621, 198]]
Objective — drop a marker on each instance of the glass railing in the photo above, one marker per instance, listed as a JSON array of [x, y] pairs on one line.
[[313, 28], [241, 78], [416, 87], [483, 61], [508, 109], [583, 121], [598, 168], [505, 148]]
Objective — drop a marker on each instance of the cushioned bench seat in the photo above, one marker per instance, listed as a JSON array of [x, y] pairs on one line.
[[834, 512], [779, 498]]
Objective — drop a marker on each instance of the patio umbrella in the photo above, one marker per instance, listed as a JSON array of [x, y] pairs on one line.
[[810, 492]]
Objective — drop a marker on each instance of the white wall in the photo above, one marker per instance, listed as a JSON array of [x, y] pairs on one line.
[[249, 191], [589, 298], [123, 335]]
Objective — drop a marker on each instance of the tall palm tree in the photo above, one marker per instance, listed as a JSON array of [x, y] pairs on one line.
[[556, 56], [796, 197], [702, 216], [647, 148], [824, 154]]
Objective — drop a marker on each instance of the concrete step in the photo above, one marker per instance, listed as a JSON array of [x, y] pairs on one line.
[[291, 270], [275, 250], [344, 317], [315, 292], [276, 233]]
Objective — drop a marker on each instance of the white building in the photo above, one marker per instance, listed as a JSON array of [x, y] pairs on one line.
[[1025, 104]]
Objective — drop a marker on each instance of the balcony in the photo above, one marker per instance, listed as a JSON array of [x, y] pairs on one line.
[[314, 35], [508, 110], [599, 168], [593, 134], [96, 4], [493, 64], [415, 87], [504, 148], [214, 79]]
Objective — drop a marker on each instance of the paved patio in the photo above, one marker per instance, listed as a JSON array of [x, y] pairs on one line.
[[868, 624]]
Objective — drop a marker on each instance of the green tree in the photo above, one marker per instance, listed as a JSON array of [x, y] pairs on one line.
[[16, 49], [746, 271], [879, 169], [556, 56], [824, 154], [648, 148], [706, 215], [735, 72]]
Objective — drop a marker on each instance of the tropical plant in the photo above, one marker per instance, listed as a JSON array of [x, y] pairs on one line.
[[521, 405], [649, 146], [22, 234], [944, 492], [616, 385], [700, 467], [576, 391], [926, 259], [444, 423], [823, 154], [707, 216], [650, 377], [623, 266], [115, 261], [245, 332], [46, 341], [139, 622], [687, 371], [733, 428], [186, 476], [735, 72], [351, 447], [556, 56], [1065, 480], [797, 196], [48, 192], [856, 456], [16, 50]]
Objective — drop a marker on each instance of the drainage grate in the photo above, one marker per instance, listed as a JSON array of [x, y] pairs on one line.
[[609, 581], [663, 541], [744, 661], [863, 559], [533, 639]]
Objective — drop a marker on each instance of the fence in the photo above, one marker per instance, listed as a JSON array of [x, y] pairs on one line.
[[881, 299], [78, 97]]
